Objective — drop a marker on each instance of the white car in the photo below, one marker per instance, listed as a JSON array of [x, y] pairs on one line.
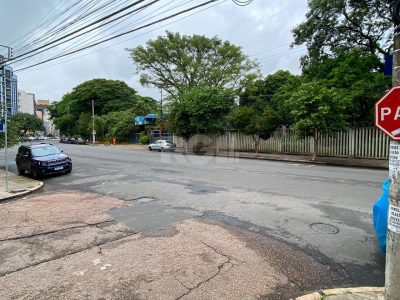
[[162, 145]]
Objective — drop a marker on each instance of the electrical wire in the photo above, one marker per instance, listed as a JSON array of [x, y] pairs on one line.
[[92, 37], [124, 41], [83, 33], [122, 34], [80, 29], [58, 29]]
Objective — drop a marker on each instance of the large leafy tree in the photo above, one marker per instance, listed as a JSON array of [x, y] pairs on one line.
[[177, 62], [259, 124], [259, 93], [116, 125], [357, 78], [26, 123], [71, 113], [338, 24], [317, 110], [201, 110]]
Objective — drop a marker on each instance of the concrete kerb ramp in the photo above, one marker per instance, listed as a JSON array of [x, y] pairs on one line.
[[368, 293], [17, 185]]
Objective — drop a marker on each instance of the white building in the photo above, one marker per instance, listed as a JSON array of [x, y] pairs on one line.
[[43, 114], [26, 102]]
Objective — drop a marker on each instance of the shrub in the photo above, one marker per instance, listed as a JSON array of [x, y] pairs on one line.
[[144, 137]]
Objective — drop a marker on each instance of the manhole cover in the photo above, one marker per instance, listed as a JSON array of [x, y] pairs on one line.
[[324, 228]]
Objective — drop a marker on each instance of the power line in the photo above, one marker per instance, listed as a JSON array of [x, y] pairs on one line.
[[91, 38], [124, 41], [41, 23], [83, 33], [81, 20], [80, 29], [122, 34]]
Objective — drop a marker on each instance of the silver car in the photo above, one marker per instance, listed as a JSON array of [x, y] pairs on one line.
[[162, 145]]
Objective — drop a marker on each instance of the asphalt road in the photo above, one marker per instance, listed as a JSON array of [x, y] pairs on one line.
[[325, 211]]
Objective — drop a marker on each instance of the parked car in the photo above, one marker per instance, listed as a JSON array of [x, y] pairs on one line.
[[42, 159], [81, 141], [162, 145]]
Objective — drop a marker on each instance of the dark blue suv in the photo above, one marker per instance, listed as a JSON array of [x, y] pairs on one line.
[[42, 159]]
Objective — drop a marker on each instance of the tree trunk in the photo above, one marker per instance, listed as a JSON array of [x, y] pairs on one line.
[[316, 139], [256, 139], [186, 146]]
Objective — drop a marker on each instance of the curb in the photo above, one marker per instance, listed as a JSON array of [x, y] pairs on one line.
[[23, 193], [360, 291], [283, 159]]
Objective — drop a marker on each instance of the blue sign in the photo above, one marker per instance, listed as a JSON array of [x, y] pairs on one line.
[[2, 127], [388, 65]]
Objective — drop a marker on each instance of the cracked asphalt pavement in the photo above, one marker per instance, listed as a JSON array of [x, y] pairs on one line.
[[145, 225]]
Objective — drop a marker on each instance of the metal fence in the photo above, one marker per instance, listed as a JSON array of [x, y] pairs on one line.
[[368, 142]]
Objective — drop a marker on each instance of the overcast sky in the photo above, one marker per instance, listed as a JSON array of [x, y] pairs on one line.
[[262, 29]]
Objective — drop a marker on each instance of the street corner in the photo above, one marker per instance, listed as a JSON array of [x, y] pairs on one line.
[[196, 261], [53, 211], [15, 186]]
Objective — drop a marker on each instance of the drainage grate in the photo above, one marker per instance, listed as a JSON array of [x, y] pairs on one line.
[[324, 228]]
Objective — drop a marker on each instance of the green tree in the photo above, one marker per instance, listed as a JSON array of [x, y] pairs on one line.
[[358, 80], [177, 62], [118, 125], [201, 110], [259, 92], [26, 123], [259, 124], [12, 135], [317, 110], [336, 24], [85, 125], [108, 95]]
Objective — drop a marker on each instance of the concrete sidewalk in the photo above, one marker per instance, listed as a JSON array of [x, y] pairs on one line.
[[322, 160], [17, 185], [366, 293]]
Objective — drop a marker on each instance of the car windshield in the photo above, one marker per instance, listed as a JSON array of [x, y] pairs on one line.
[[45, 151], [168, 142]]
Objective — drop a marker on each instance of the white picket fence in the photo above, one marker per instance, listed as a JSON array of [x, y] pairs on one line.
[[368, 142]]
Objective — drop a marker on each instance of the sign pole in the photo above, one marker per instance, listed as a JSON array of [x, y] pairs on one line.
[[392, 271]]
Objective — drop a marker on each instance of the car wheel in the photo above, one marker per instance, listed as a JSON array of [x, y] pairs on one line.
[[150, 149], [20, 171], [35, 174]]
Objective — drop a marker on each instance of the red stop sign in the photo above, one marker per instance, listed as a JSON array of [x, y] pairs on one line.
[[387, 113]]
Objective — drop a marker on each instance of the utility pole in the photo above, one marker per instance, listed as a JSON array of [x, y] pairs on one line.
[[68, 119], [5, 128], [392, 271], [161, 114], [3, 73], [93, 130]]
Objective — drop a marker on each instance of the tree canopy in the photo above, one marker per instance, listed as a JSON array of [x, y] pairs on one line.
[[259, 124], [177, 62], [317, 110], [331, 25], [25, 123], [358, 80], [72, 115], [202, 110]]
